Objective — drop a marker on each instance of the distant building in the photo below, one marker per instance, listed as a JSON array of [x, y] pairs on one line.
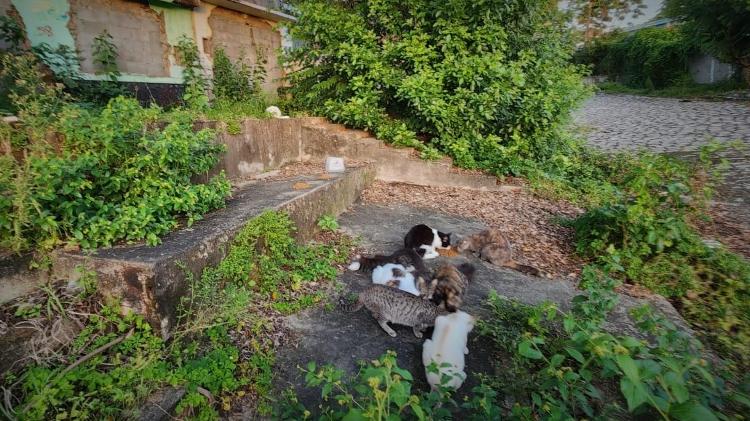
[[147, 31]]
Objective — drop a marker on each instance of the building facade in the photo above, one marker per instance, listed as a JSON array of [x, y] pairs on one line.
[[146, 33]]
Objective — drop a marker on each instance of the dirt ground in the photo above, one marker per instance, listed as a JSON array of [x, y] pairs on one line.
[[531, 223]]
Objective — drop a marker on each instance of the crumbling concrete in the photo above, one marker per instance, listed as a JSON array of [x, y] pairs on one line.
[[151, 280], [138, 32], [267, 144]]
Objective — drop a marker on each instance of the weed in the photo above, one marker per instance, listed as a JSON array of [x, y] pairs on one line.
[[328, 223], [220, 349]]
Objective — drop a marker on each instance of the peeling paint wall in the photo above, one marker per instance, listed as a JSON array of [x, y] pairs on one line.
[[146, 34], [138, 32]]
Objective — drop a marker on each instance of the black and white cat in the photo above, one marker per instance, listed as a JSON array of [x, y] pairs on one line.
[[426, 240], [403, 269]]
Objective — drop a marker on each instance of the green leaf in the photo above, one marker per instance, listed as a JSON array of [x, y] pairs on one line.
[[692, 411], [575, 354], [526, 350], [418, 411], [354, 414], [628, 367], [634, 393]]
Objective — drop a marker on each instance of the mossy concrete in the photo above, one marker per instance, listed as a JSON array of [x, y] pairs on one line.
[[152, 280]]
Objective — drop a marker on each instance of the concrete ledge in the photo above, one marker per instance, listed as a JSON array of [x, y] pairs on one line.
[[151, 281]]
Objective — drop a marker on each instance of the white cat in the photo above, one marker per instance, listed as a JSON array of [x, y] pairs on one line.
[[447, 349], [393, 274]]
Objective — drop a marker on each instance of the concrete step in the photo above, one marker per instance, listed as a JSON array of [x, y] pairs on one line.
[[402, 165], [149, 281]]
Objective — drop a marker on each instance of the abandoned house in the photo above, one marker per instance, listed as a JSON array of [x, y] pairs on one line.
[[146, 32]]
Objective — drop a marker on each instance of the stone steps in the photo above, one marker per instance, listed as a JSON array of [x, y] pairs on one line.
[[150, 280], [322, 138]]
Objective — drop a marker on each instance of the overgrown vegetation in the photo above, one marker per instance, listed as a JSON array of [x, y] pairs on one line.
[[688, 90], [220, 351], [722, 27], [487, 83], [559, 365], [88, 167], [382, 391], [651, 58], [644, 232], [94, 177]]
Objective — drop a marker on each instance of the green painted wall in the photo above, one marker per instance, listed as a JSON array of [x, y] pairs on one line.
[[46, 21]]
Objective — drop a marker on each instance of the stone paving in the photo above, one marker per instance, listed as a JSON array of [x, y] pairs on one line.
[[668, 125]]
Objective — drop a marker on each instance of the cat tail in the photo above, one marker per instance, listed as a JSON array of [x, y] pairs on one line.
[[467, 269], [366, 264], [351, 307], [529, 270]]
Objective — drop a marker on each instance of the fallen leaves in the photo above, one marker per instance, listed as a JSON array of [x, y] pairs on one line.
[[530, 222]]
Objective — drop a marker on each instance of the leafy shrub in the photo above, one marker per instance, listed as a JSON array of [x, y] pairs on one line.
[[237, 81], [381, 391], [328, 223], [485, 82], [565, 366], [94, 177], [644, 231]]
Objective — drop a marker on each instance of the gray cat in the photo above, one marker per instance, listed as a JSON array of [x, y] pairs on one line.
[[388, 304]]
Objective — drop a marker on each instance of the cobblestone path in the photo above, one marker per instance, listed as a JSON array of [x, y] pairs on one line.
[[666, 125]]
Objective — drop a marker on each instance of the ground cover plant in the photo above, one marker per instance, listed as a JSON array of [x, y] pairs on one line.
[[221, 351]]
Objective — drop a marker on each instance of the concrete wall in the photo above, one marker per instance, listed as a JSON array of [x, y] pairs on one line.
[[243, 37], [146, 34], [707, 69]]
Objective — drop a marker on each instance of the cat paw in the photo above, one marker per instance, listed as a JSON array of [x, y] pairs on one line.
[[354, 266], [466, 350], [392, 333], [418, 334]]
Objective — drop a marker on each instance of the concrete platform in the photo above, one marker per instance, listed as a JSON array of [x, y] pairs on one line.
[[149, 281], [342, 339]]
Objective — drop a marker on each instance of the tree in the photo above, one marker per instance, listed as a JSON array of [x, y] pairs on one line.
[[722, 27], [593, 15], [486, 82]]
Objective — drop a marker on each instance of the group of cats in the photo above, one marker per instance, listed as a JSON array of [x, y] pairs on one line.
[[406, 293]]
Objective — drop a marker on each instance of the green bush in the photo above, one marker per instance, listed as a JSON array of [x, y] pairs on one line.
[[487, 83], [237, 81], [563, 365], [644, 232], [93, 177], [649, 58]]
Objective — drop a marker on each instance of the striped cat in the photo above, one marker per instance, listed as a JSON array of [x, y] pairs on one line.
[[390, 305]]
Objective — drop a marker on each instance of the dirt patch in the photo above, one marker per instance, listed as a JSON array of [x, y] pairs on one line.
[[728, 227], [527, 220]]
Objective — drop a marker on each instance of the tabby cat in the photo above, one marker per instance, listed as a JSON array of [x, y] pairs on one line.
[[493, 247], [448, 288], [392, 305], [426, 240]]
